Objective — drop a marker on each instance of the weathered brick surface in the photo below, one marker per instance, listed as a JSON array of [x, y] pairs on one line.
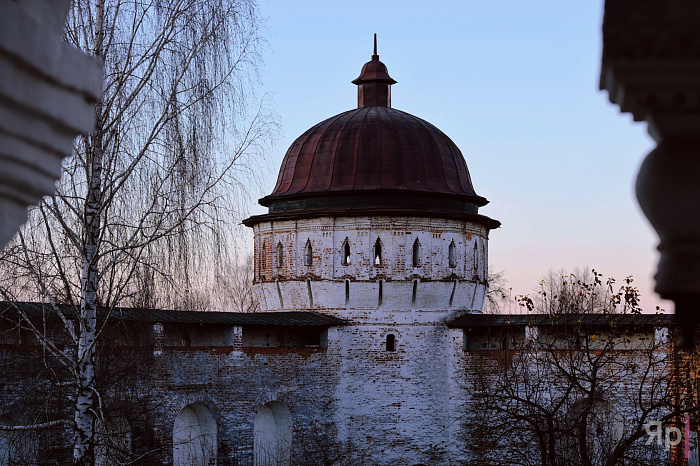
[[439, 286], [234, 384]]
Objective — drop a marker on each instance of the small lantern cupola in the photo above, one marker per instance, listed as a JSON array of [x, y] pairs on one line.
[[374, 83]]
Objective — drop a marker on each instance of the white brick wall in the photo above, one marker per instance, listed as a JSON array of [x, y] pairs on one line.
[[327, 276]]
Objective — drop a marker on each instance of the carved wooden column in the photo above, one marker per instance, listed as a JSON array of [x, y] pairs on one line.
[[651, 69], [48, 91]]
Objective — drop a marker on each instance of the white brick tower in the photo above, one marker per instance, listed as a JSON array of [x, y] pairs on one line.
[[374, 220]]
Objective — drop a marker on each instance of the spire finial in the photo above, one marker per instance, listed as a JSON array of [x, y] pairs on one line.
[[374, 83], [375, 56]]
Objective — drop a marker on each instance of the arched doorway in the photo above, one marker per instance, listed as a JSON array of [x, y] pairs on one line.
[[273, 435], [194, 437]]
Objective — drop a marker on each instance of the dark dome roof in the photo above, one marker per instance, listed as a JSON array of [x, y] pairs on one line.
[[374, 160], [373, 148]]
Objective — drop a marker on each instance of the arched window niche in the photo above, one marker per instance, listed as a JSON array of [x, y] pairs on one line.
[[194, 436], [476, 260], [273, 435], [345, 252], [416, 253], [308, 253], [377, 258], [280, 255], [452, 254]]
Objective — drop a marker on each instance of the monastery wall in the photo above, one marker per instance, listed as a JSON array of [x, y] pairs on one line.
[[237, 384], [349, 396]]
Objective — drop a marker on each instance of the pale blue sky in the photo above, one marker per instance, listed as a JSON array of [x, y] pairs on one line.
[[515, 85]]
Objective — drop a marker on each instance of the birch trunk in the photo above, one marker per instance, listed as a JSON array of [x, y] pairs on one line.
[[83, 450], [83, 444]]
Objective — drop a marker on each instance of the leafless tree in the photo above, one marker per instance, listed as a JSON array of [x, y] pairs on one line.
[[576, 389], [140, 214], [582, 292], [234, 289], [498, 293]]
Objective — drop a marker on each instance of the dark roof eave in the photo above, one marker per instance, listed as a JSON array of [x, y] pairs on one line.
[[377, 194], [362, 80], [364, 211], [291, 318], [540, 320]]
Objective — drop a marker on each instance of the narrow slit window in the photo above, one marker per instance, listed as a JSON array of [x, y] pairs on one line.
[[416, 253], [345, 259], [378, 253], [347, 292], [452, 295], [381, 293], [308, 253], [415, 292], [280, 255], [391, 342], [452, 254], [476, 258]]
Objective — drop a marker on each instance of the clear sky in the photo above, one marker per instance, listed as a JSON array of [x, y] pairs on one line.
[[515, 85]]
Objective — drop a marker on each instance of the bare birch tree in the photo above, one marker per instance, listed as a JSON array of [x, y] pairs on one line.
[[145, 200]]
